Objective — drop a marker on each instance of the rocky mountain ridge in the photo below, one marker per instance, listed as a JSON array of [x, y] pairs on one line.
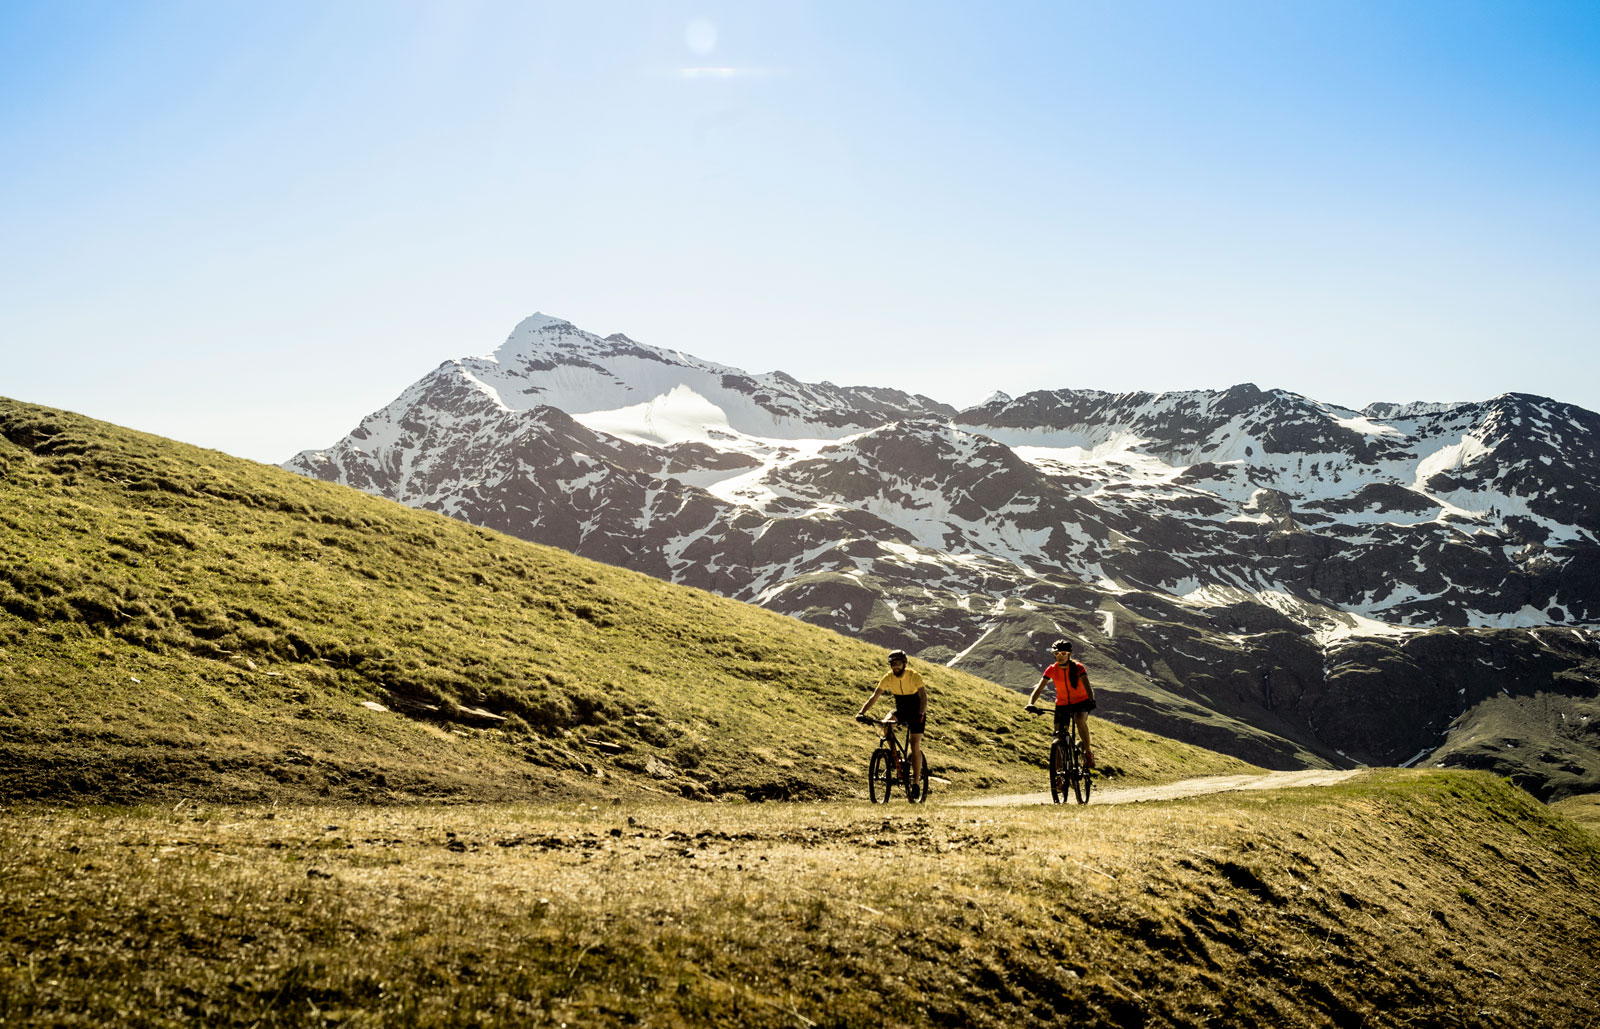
[[1252, 570]]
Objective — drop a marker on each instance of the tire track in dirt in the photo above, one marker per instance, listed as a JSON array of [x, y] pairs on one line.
[[1181, 788]]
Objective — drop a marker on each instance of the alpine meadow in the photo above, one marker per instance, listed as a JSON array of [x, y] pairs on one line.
[[488, 487], [277, 752]]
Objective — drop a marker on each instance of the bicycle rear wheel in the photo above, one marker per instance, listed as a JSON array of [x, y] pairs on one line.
[[1058, 772], [1079, 775], [880, 775]]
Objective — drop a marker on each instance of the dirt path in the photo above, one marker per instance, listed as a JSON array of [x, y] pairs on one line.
[[1182, 788]]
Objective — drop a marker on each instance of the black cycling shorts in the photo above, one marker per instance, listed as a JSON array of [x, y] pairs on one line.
[[1066, 711], [906, 710]]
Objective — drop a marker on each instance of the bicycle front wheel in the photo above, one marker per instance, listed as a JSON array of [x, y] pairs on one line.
[[1058, 773], [880, 776], [917, 789]]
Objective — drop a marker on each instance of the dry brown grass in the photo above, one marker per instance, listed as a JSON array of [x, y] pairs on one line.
[[1584, 809], [1423, 898]]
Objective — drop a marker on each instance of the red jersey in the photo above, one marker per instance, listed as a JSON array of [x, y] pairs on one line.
[[1072, 682]]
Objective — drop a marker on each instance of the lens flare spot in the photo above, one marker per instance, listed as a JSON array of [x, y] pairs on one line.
[[701, 36]]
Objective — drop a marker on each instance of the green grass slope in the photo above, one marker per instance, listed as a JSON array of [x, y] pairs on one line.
[[177, 623], [1443, 899], [1556, 734]]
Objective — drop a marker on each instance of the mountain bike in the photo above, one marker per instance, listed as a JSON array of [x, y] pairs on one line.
[[1066, 763], [891, 763]]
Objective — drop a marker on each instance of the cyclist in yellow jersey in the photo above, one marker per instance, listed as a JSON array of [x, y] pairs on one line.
[[910, 702]]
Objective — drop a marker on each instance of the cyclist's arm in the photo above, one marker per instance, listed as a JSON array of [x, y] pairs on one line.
[[870, 701], [1033, 698], [922, 713]]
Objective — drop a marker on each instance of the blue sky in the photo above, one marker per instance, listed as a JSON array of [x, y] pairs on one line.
[[247, 225]]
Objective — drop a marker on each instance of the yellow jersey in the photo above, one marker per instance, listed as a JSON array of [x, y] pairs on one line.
[[901, 685]]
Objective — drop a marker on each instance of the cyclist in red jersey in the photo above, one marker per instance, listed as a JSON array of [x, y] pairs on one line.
[[1074, 696]]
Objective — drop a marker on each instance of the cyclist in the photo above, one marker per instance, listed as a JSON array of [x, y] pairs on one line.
[[1074, 696], [910, 704]]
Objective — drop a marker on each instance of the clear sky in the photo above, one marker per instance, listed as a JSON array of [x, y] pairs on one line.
[[249, 224]]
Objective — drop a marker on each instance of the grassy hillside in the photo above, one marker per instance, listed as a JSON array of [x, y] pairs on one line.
[[179, 624], [1584, 810], [1554, 733], [1397, 899]]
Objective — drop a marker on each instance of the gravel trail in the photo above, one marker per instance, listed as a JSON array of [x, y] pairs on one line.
[[1182, 788]]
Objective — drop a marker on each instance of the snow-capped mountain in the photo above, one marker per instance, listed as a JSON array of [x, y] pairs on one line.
[[1253, 570]]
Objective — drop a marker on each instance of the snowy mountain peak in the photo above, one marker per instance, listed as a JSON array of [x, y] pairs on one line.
[[538, 322], [532, 340]]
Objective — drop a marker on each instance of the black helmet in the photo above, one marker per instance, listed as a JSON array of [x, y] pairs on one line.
[[896, 654], [1062, 645]]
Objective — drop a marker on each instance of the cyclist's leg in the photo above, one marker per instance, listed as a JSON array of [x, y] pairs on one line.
[[914, 718], [1082, 718], [905, 716]]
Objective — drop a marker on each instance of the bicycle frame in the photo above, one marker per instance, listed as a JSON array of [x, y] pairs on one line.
[[890, 762], [1066, 765]]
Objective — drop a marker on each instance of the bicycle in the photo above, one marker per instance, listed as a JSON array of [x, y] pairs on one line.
[[1066, 763], [891, 762]]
